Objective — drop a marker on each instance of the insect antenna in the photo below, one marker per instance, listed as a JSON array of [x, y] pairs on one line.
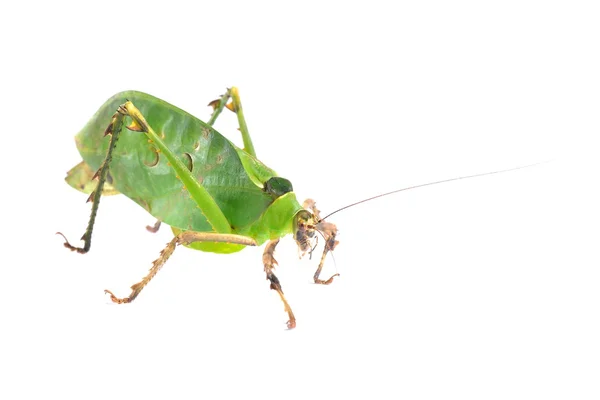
[[428, 184]]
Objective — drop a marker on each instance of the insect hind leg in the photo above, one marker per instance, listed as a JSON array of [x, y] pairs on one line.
[[113, 129], [236, 106]]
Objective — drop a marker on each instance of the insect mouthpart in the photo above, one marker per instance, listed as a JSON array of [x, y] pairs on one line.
[[304, 232]]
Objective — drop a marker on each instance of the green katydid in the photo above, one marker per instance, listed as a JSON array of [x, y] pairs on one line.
[[215, 196]]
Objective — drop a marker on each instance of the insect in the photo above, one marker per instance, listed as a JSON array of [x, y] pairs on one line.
[[215, 196]]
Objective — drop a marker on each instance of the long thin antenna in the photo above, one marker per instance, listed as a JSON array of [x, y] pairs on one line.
[[429, 184]]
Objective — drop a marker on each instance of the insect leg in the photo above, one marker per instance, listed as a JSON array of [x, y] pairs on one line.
[[218, 106], [183, 238], [113, 129], [329, 231], [154, 228], [236, 106], [269, 263]]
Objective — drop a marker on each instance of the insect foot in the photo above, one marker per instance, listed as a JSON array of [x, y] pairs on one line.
[[322, 282], [80, 250], [116, 299]]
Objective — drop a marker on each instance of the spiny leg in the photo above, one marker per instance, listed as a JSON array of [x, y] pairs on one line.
[[113, 129], [218, 105], [190, 237], [156, 266], [269, 263], [183, 238], [236, 106], [329, 231]]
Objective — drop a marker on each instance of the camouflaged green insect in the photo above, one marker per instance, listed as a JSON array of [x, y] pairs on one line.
[[215, 196]]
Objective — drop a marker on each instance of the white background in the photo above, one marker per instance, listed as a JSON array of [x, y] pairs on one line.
[[486, 288]]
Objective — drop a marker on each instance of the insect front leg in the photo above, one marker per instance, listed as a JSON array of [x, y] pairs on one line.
[[113, 129], [270, 263], [185, 238], [329, 231], [236, 106]]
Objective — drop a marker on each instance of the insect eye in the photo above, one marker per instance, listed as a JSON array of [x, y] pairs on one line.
[[278, 186]]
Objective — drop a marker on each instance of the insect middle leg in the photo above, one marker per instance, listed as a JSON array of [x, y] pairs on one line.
[[189, 237], [236, 106], [185, 238]]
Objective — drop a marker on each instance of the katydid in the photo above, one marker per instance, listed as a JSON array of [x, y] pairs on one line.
[[215, 196]]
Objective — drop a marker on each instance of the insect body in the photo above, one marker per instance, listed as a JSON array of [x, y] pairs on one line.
[[215, 196]]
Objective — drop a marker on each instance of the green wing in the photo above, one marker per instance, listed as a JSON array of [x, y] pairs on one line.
[[145, 176]]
